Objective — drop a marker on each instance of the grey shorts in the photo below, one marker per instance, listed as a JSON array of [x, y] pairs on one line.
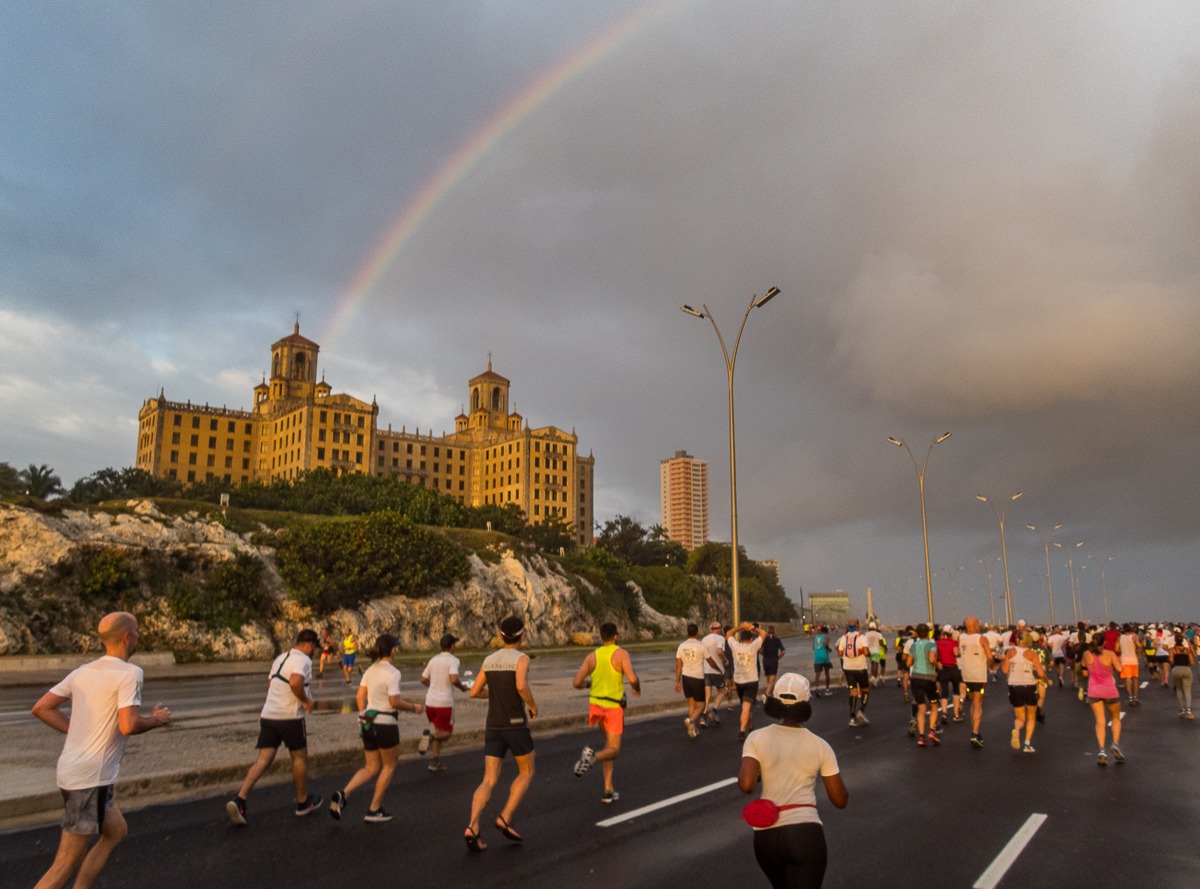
[[84, 810]]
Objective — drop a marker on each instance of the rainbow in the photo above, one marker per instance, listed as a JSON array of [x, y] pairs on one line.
[[454, 170]]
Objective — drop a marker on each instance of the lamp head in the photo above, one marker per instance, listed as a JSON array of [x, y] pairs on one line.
[[942, 439], [1031, 528], [770, 295], [691, 311], [895, 442], [1015, 496], [981, 497]]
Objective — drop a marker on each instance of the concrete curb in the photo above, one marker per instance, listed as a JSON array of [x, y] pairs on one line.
[[180, 785]]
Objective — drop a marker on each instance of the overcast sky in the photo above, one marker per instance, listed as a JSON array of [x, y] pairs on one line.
[[984, 219]]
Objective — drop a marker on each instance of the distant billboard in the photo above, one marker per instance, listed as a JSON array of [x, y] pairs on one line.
[[830, 607]]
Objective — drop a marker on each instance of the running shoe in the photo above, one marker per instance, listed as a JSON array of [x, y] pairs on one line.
[[313, 801], [958, 718], [586, 760], [1080, 693], [336, 800], [712, 717], [976, 742], [921, 740], [610, 796], [691, 726], [702, 722], [862, 719], [1189, 715], [237, 811], [1102, 759], [912, 727], [934, 740], [1028, 748], [423, 744], [378, 815], [1118, 756], [1135, 702], [437, 766], [1016, 739], [854, 720], [1181, 714]]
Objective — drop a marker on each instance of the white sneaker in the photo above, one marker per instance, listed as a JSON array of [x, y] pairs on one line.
[[423, 744], [586, 760], [691, 727], [862, 719]]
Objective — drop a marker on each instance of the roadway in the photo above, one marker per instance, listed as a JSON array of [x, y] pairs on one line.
[[935, 816]]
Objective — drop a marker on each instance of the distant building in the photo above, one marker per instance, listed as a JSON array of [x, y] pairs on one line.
[[683, 486], [773, 564], [298, 424], [830, 608]]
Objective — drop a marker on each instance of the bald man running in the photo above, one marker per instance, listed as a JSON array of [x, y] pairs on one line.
[[106, 698], [974, 659]]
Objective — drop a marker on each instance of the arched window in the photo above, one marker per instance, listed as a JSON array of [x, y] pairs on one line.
[[475, 400], [496, 399], [298, 366], [275, 365]]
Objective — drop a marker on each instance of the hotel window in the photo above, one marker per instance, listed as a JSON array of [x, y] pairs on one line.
[[536, 509], [395, 447], [422, 450], [246, 446], [249, 429], [395, 462], [320, 435], [191, 475], [422, 464], [360, 422], [436, 451], [212, 441], [435, 468], [462, 470], [324, 416], [581, 485], [195, 422], [358, 457], [408, 464], [171, 473], [191, 459], [229, 444], [537, 461], [337, 418], [360, 441], [229, 463], [537, 494], [380, 461], [461, 486], [212, 459], [537, 477], [410, 449], [245, 464], [381, 444], [174, 438], [179, 419], [212, 425], [174, 456], [537, 445], [320, 453], [232, 427], [581, 496]]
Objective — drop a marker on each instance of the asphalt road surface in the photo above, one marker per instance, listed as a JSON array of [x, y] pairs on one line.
[[931, 817]]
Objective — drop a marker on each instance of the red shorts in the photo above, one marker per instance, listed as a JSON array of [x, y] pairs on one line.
[[611, 718], [441, 717]]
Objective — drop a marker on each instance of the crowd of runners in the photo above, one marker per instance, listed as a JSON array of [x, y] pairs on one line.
[[943, 673]]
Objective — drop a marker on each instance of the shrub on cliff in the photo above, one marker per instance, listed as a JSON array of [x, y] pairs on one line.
[[232, 596], [334, 565], [668, 590]]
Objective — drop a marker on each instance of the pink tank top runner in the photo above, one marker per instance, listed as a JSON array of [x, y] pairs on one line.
[[1101, 681]]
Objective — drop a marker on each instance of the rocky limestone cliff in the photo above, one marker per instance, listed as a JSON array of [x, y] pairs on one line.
[[41, 613]]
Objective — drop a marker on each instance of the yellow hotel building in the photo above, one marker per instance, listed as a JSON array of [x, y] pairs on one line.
[[298, 424]]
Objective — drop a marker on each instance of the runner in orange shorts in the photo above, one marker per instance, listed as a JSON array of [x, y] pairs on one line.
[[609, 666]]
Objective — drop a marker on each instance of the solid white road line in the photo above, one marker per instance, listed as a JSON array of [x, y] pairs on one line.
[[999, 867], [654, 807]]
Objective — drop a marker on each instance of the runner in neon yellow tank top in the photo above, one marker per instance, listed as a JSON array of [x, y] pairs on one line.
[[609, 666]]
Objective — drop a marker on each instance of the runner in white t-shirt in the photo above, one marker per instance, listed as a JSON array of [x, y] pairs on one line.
[[105, 698], [789, 758], [714, 678], [1057, 643], [282, 722], [379, 705], [853, 649], [690, 660], [974, 659], [441, 678], [876, 651], [1129, 649], [745, 669]]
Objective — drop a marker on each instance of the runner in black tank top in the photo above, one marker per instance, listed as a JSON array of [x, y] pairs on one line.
[[504, 682]]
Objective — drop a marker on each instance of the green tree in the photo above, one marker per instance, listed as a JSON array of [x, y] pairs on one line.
[[39, 481], [553, 533], [10, 482], [122, 484]]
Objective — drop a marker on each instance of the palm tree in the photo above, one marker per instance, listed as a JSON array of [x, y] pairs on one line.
[[40, 481], [658, 532]]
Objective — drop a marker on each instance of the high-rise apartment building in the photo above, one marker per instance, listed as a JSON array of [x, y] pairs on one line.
[[684, 490]]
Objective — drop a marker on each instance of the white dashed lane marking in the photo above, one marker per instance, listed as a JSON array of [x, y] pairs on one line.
[[662, 804], [999, 867]]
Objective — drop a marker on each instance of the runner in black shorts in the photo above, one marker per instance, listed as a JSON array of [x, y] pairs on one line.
[[772, 651], [504, 682]]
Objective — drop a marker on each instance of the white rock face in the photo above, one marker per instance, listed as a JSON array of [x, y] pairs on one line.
[[525, 584]]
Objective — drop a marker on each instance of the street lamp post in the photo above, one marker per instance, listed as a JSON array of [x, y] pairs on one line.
[[1045, 534], [1104, 588], [991, 598], [1003, 550], [1071, 574], [755, 303], [901, 443]]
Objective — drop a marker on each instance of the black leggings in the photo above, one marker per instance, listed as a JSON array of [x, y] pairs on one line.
[[792, 856]]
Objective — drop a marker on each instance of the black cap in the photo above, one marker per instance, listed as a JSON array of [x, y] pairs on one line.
[[512, 627], [448, 640]]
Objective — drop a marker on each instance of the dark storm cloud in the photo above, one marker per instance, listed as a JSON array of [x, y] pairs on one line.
[[983, 219]]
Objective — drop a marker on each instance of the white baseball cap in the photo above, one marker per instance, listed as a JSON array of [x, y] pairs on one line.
[[947, 629], [791, 688]]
